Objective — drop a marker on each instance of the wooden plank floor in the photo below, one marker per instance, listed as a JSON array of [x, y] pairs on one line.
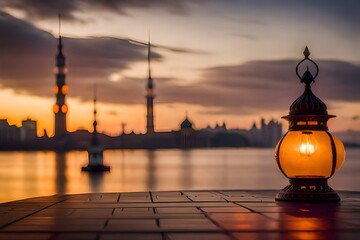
[[204, 215]]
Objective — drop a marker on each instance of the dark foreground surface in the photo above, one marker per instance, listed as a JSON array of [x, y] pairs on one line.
[[204, 215]]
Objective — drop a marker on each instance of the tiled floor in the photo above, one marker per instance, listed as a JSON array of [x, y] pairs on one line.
[[204, 215]]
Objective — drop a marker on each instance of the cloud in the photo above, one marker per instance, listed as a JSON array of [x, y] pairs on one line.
[[167, 48], [27, 58], [264, 85], [39, 9], [273, 84], [245, 36]]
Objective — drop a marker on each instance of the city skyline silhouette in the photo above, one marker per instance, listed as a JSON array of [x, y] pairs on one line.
[[199, 79]]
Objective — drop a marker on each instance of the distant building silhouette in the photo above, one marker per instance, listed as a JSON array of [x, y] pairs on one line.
[[9, 134], [150, 97], [28, 131], [187, 133], [60, 89], [267, 135], [13, 137], [221, 136]]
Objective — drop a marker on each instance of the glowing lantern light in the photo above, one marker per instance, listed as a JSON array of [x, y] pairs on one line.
[[308, 154]]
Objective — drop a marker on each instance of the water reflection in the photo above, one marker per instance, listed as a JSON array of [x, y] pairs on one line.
[[151, 181], [29, 174], [96, 181], [26, 170], [186, 173], [60, 179], [308, 221]]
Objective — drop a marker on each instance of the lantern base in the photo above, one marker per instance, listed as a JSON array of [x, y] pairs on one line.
[[308, 190]]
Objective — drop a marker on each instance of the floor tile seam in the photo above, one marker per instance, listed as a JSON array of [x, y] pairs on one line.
[[149, 194], [228, 233], [30, 214], [188, 197], [157, 220], [118, 198], [223, 197], [106, 223], [224, 194], [253, 211], [221, 194], [163, 237]]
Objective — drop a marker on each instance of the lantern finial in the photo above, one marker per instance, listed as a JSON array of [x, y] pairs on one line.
[[306, 52], [307, 76]]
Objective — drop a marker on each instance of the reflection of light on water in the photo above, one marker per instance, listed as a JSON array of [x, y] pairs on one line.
[[60, 167], [30, 174], [151, 170], [308, 221], [95, 180]]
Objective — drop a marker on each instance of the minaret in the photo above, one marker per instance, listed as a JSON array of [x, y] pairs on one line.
[[94, 139], [149, 98], [60, 90], [95, 151]]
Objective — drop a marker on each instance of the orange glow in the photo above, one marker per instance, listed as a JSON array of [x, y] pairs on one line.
[[307, 144], [55, 89], [308, 154], [56, 108], [307, 149], [60, 70], [340, 152], [167, 116], [306, 222], [65, 89], [64, 108]]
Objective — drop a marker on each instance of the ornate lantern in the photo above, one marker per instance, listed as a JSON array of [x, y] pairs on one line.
[[308, 154]]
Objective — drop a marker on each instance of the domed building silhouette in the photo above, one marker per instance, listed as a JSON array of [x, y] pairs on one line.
[[187, 133]]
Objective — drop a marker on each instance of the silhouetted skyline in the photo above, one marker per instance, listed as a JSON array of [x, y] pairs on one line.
[[229, 61]]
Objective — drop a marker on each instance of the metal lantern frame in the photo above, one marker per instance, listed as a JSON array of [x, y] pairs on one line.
[[309, 114]]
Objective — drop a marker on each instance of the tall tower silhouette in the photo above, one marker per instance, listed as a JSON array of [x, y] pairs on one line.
[[149, 97], [95, 151], [94, 138], [60, 89]]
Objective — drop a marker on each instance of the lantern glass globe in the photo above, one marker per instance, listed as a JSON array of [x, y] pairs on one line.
[[309, 154]]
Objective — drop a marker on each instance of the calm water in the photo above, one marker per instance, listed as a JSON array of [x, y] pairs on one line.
[[29, 174]]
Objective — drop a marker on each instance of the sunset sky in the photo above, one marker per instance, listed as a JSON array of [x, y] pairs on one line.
[[231, 61]]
